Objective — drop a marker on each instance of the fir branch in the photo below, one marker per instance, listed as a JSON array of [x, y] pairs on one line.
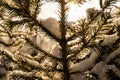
[[63, 41], [33, 63], [35, 66], [87, 63], [87, 24], [35, 22], [106, 3], [20, 58], [21, 73], [38, 48], [33, 7], [75, 53], [95, 33], [82, 33], [9, 54]]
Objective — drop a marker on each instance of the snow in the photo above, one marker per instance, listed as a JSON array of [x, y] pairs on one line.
[[76, 11]]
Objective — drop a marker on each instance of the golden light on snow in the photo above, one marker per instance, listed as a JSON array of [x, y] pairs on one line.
[[76, 11], [49, 10]]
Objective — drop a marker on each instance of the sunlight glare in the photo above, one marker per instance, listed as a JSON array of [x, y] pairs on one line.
[[76, 11], [49, 10]]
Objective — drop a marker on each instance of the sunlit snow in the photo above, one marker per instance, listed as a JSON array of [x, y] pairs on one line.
[[76, 11]]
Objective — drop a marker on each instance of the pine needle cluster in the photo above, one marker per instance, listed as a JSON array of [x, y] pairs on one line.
[[31, 50]]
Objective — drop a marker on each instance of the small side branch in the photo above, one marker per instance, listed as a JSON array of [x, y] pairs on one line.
[[38, 48]]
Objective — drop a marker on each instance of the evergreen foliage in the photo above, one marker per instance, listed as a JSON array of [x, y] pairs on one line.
[[31, 50]]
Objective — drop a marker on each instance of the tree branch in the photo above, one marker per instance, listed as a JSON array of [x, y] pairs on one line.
[[38, 48]]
